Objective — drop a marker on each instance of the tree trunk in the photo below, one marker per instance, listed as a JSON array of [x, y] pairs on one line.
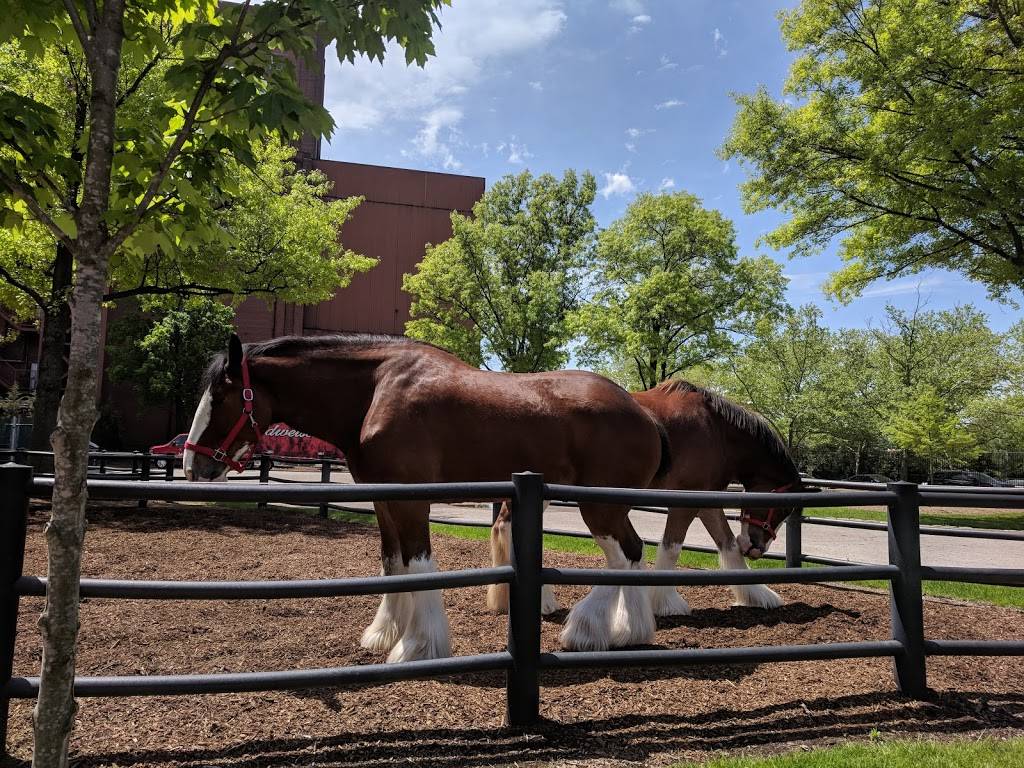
[[52, 367], [54, 714]]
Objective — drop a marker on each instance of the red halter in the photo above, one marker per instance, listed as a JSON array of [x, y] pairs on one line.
[[768, 522], [221, 454]]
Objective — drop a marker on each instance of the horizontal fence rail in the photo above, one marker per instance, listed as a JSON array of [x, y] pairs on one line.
[[693, 656], [284, 680], [523, 662], [274, 590], [723, 577]]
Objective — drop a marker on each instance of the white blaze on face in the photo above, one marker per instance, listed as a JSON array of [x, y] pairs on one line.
[[199, 424]]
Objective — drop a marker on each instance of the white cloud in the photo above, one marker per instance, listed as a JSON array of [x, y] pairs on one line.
[[537, 85], [435, 139], [632, 7], [642, 18], [636, 133], [719, 42], [517, 153], [669, 104], [476, 39], [630, 146], [666, 63], [617, 184], [667, 183], [806, 282], [901, 287], [725, 167]]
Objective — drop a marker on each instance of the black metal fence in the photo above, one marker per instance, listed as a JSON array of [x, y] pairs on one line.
[[523, 661]]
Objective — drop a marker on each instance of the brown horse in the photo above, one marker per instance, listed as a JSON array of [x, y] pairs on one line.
[[407, 412], [714, 442]]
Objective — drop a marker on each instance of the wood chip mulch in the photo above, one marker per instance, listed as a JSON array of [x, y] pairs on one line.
[[593, 718]]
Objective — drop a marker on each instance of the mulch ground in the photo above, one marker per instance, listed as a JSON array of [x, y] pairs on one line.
[[626, 717]]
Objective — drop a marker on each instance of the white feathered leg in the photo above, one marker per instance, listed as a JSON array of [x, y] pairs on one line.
[[392, 614], [666, 601], [426, 634], [751, 595], [610, 617]]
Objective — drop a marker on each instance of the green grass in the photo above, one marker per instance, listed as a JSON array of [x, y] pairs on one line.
[[986, 753], [1007, 520]]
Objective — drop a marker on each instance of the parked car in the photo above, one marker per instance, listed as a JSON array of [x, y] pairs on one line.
[[282, 441], [278, 440], [966, 477], [172, 448], [869, 478]]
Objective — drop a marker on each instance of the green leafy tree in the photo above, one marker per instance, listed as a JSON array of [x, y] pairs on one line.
[[925, 426], [116, 179], [782, 374], [900, 131], [673, 292], [505, 284], [163, 354], [952, 353]]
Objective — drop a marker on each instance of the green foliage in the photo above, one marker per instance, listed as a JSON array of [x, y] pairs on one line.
[[198, 85], [939, 384], [901, 132], [505, 284], [281, 240], [163, 354], [924, 425], [15, 403], [783, 373], [672, 291]]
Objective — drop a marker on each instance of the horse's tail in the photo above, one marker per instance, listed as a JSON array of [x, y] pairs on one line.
[[501, 554], [666, 449]]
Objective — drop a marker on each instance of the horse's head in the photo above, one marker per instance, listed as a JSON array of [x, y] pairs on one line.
[[758, 527], [225, 429]]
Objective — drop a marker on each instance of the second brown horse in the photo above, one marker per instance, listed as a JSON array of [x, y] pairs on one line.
[[713, 442]]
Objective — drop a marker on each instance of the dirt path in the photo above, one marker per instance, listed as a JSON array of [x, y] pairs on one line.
[[633, 717]]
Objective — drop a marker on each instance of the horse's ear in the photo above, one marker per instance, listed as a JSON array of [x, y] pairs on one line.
[[234, 356]]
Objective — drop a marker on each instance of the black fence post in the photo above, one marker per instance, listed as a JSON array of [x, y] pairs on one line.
[[523, 681], [495, 511], [103, 464], [264, 476], [905, 601], [795, 539], [325, 477], [135, 464], [15, 481], [169, 467], [145, 476]]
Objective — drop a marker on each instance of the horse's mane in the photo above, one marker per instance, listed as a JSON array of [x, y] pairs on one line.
[[737, 416], [286, 346]]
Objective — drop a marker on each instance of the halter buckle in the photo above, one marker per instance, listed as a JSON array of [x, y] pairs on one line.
[[219, 455], [247, 395]]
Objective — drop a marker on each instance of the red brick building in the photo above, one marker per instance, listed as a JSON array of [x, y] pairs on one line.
[[403, 210]]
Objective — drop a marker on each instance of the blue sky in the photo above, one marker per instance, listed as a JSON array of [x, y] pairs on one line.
[[636, 91]]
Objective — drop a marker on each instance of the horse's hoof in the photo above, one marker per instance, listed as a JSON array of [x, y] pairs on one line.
[[380, 639], [497, 598], [548, 601], [632, 618], [416, 647], [666, 601], [757, 596], [587, 627]]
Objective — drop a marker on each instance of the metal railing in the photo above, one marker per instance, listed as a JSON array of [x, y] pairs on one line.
[[523, 660]]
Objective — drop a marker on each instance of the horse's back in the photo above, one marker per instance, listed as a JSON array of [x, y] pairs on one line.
[[467, 424]]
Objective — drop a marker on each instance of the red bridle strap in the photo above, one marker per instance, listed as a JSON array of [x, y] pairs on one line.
[[768, 522], [221, 454]]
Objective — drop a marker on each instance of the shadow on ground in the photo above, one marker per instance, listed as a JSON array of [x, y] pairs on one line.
[[629, 739]]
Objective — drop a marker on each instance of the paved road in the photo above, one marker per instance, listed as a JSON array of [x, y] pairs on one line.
[[841, 543]]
